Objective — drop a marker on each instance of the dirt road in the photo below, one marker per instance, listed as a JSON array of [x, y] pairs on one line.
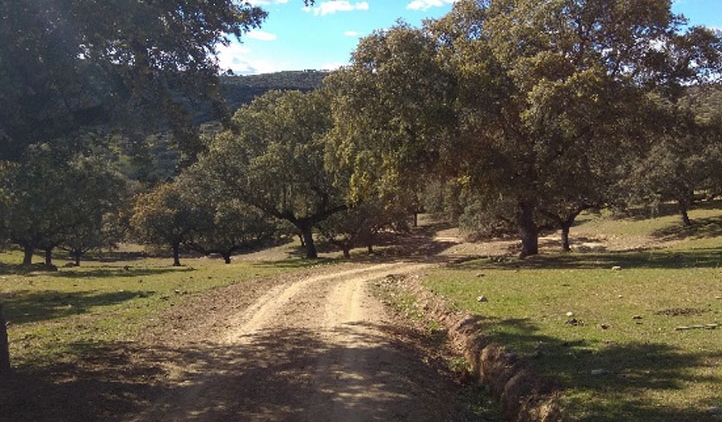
[[314, 348]]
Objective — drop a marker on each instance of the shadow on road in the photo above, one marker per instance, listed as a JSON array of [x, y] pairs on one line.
[[279, 375]]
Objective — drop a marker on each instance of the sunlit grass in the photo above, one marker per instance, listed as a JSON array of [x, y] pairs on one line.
[[51, 313], [617, 314]]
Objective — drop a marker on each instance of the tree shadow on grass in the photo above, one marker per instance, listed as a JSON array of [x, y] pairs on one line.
[[295, 263], [666, 209], [698, 258], [105, 271], [22, 307], [626, 378], [290, 375], [701, 228], [126, 271]]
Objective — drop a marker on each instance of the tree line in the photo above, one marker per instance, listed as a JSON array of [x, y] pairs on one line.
[[508, 115]]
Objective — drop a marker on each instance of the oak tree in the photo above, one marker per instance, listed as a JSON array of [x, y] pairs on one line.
[[163, 217], [525, 99], [273, 159]]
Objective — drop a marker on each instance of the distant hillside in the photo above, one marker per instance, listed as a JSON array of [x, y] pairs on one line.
[[157, 158], [239, 90]]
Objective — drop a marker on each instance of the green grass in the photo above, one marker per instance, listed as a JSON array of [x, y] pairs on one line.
[[623, 321], [52, 313]]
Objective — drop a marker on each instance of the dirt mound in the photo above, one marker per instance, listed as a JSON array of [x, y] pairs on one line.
[[523, 395]]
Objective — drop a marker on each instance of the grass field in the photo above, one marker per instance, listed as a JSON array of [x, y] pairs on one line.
[[622, 326], [55, 316], [626, 335]]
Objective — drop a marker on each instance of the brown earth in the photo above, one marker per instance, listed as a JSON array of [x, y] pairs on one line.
[[315, 346]]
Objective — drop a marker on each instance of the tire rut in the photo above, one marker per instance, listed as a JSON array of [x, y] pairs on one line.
[[315, 349]]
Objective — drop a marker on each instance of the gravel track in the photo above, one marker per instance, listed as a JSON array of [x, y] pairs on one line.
[[317, 347]]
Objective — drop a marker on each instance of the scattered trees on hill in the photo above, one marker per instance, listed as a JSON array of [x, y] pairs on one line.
[[70, 64], [525, 113]]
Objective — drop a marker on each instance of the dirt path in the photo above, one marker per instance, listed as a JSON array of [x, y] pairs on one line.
[[315, 348]]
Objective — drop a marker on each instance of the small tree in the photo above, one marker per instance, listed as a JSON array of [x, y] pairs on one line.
[[38, 206], [97, 193], [163, 217], [225, 225], [231, 226]]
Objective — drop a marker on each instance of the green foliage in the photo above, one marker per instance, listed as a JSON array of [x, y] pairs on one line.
[[387, 143], [163, 217], [54, 199], [523, 101], [71, 64], [684, 159], [273, 159], [97, 196], [359, 225], [225, 225]]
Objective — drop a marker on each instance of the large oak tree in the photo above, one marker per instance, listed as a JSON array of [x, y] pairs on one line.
[[273, 159], [525, 100]]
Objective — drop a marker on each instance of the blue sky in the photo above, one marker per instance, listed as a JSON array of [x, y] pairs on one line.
[[323, 36]]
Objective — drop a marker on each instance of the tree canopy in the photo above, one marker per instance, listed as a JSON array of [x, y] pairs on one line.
[[273, 159], [67, 64], [55, 199], [523, 100]]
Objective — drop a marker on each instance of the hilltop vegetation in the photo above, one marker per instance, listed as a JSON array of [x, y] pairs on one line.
[[241, 90]]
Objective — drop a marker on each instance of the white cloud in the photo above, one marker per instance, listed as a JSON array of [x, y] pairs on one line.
[[333, 66], [261, 35], [238, 58], [331, 7], [352, 33], [428, 4]]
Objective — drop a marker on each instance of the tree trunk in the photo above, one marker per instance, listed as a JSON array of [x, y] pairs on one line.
[[76, 254], [227, 258], [176, 255], [685, 216], [416, 219], [346, 252], [28, 251], [370, 247], [566, 226], [528, 231], [307, 231], [684, 203], [4, 346], [48, 257]]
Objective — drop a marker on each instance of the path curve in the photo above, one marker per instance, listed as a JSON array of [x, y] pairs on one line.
[[316, 348]]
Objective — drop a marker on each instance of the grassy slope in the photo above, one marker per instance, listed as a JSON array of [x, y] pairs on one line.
[[623, 321], [55, 316]]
